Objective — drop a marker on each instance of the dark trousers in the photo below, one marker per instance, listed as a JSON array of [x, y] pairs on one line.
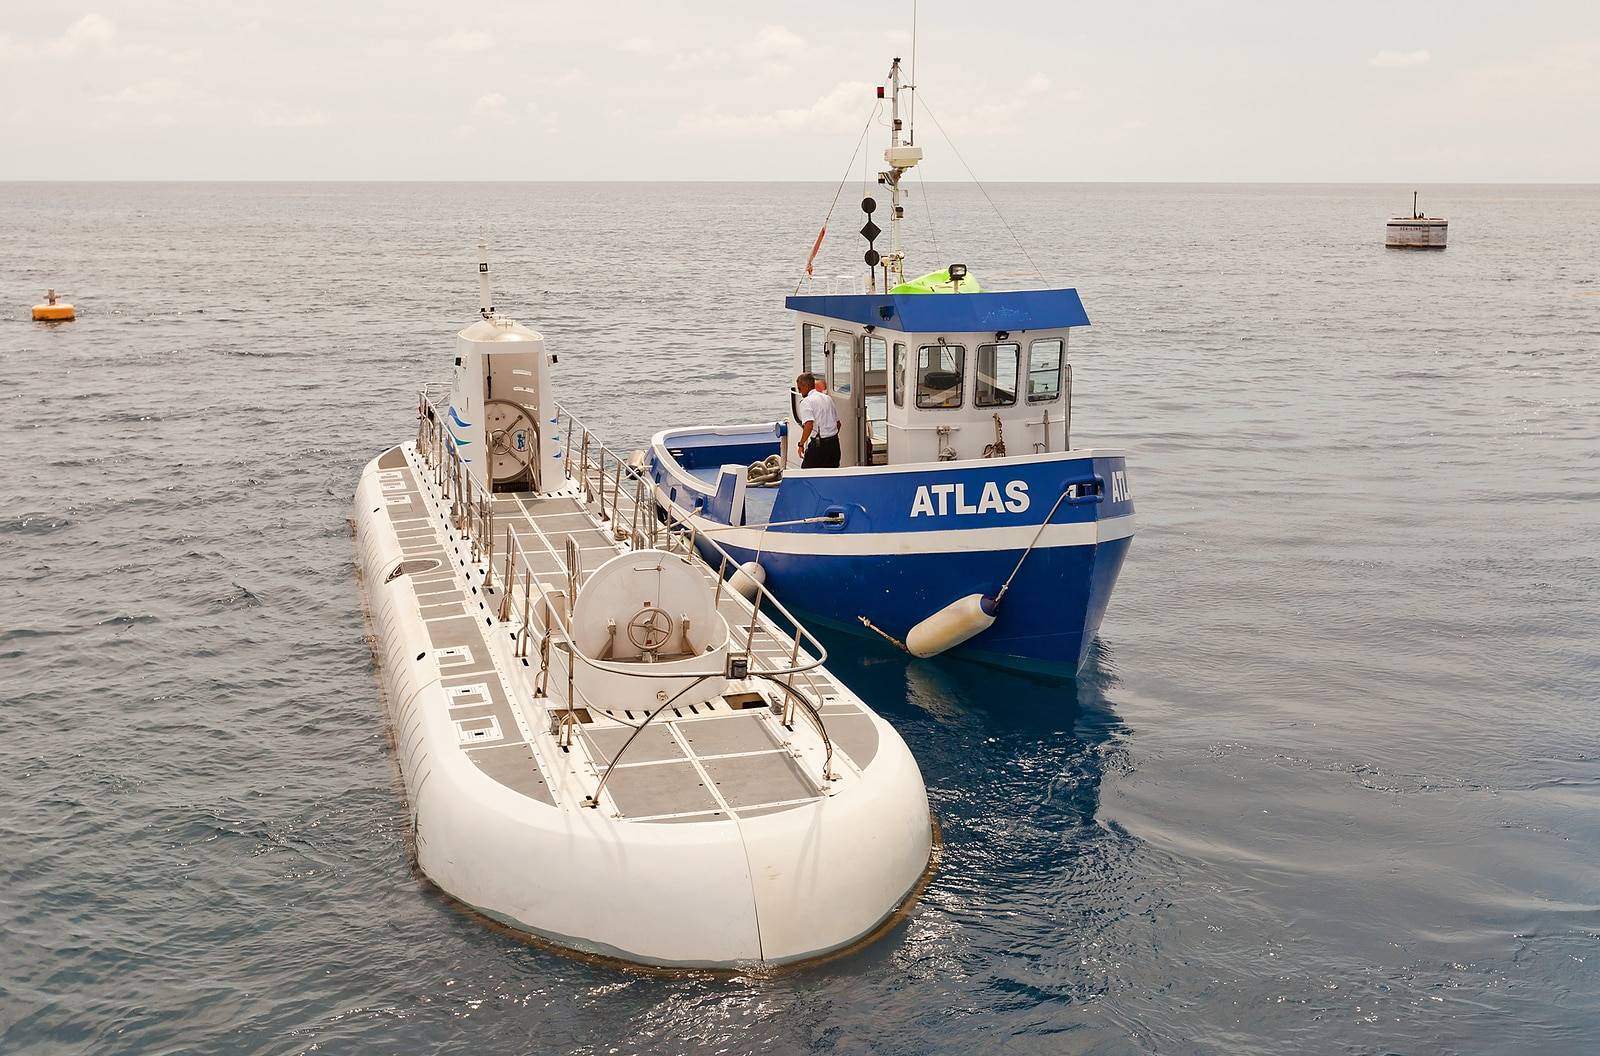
[[822, 452]]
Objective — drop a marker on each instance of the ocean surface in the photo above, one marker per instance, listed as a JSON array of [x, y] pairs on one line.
[[1331, 785]]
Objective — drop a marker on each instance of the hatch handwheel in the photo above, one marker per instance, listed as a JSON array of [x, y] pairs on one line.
[[649, 629], [513, 443]]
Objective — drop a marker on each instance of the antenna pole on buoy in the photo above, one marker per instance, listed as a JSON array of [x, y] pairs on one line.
[[485, 298]]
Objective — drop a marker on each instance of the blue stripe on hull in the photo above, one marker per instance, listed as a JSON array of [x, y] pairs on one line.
[[1046, 623]]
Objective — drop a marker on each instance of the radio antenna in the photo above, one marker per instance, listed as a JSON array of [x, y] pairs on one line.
[[911, 103]]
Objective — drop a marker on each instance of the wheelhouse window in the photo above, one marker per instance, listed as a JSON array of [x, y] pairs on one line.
[[997, 374], [899, 375], [843, 362], [1044, 370], [875, 398], [877, 353], [812, 345], [941, 371]]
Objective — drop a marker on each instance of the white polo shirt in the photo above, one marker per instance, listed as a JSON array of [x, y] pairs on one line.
[[817, 408]]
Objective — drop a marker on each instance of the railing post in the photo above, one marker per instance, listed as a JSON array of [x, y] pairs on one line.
[[1066, 429], [544, 664], [486, 526], [616, 496], [566, 450], [755, 614], [572, 665], [505, 579], [633, 534], [794, 659], [527, 609]]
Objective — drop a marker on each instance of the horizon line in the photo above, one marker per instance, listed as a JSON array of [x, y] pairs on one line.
[[1528, 182]]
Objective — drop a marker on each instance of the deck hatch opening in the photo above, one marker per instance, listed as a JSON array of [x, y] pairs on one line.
[[411, 568], [471, 731]]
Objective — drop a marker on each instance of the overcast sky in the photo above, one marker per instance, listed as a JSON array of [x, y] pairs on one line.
[[1402, 90]]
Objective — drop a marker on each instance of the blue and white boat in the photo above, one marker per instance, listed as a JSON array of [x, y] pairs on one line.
[[961, 518]]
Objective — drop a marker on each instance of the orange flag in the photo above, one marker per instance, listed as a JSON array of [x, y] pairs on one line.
[[814, 247]]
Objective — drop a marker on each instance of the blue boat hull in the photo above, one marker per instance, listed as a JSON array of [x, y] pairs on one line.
[[1046, 623], [891, 546]]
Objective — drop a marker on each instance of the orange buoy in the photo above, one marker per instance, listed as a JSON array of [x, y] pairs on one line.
[[52, 311]]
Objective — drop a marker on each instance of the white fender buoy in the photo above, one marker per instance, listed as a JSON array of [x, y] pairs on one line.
[[747, 579], [952, 625]]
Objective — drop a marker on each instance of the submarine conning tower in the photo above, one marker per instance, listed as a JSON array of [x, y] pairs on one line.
[[501, 411]]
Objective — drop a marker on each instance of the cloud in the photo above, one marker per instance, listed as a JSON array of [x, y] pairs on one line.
[[92, 35], [91, 31], [643, 46], [492, 111], [158, 91], [491, 105], [464, 42], [274, 115], [776, 42], [1394, 60], [691, 61], [771, 52], [845, 106], [1002, 113], [574, 78], [1566, 72]]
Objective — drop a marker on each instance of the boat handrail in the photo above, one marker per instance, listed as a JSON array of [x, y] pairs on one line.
[[475, 517], [646, 493], [645, 488]]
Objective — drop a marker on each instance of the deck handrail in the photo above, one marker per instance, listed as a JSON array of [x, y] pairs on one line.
[[474, 515], [728, 560]]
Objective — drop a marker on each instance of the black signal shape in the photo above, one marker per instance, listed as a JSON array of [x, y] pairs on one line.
[[870, 231]]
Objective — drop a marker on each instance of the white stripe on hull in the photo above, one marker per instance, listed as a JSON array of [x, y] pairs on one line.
[[961, 540]]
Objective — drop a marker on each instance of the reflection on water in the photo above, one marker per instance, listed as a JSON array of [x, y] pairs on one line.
[[964, 695]]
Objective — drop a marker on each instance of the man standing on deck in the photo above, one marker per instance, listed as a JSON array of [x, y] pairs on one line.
[[819, 426]]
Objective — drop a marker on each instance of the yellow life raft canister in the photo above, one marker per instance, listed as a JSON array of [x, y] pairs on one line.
[[52, 311]]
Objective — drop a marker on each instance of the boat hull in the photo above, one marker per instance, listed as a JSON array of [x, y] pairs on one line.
[[1046, 623], [1418, 233], [776, 885], [911, 540]]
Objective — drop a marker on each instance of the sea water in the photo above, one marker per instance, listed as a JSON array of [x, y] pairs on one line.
[[1331, 783]]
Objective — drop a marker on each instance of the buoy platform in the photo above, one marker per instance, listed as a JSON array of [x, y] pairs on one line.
[[53, 310]]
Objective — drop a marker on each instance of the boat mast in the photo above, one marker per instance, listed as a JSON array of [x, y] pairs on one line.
[[900, 157]]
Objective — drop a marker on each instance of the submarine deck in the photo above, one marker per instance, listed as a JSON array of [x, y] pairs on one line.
[[708, 762]]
